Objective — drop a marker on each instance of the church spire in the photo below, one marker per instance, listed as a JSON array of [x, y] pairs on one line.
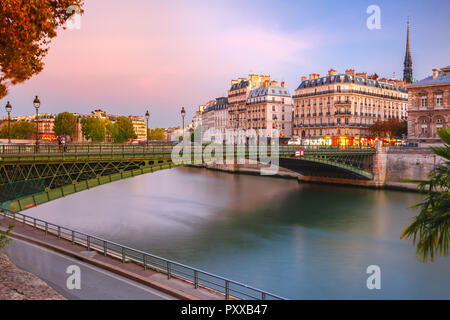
[[407, 70]]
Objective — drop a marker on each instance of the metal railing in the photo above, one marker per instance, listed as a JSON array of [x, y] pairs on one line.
[[84, 148], [105, 149], [198, 278]]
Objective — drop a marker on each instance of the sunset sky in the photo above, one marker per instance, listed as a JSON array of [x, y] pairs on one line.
[[134, 55]]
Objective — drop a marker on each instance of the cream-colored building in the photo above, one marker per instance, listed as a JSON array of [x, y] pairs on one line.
[[140, 127], [269, 107], [346, 104], [215, 116], [237, 99]]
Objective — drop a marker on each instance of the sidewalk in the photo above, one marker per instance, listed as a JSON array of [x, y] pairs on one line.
[[175, 287]]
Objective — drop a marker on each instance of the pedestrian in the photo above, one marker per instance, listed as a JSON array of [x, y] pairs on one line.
[[59, 144], [63, 142]]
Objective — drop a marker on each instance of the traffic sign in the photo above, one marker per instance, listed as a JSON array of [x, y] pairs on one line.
[[299, 153]]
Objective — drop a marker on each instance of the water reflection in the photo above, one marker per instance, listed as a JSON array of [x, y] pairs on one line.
[[296, 240]]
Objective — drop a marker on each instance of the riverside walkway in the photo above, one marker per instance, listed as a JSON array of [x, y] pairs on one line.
[[166, 276]]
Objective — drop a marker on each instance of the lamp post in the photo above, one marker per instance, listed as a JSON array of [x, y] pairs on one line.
[[8, 108], [147, 116], [183, 113], [37, 104]]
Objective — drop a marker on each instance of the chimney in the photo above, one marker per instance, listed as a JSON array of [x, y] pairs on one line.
[[283, 84], [393, 77], [303, 78], [362, 74], [332, 72], [435, 73], [266, 83], [350, 72]]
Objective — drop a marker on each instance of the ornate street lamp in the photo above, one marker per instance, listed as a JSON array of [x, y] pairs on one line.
[[147, 116], [37, 104], [8, 108], [183, 113]]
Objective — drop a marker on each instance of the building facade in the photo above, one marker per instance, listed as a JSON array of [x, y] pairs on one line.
[[139, 126], [346, 105], [429, 107], [269, 110], [237, 99]]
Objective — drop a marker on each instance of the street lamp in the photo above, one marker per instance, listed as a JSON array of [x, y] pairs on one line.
[[8, 108], [183, 113], [37, 104], [147, 116]]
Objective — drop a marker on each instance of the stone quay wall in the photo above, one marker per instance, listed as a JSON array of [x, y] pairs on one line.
[[392, 168]]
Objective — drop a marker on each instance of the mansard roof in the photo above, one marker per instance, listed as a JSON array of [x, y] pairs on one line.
[[270, 90], [345, 78], [442, 78], [241, 84]]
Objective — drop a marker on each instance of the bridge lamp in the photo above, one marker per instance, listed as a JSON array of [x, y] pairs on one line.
[[147, 116], [8, 109], [183, 113], [37, 104]]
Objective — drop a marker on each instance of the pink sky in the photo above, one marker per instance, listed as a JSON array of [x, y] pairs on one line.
[[160, 58], [134, 55]]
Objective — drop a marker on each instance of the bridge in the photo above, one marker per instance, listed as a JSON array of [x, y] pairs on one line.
[[31, 176]]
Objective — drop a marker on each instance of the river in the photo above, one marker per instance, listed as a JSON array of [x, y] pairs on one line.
[[300, 241]]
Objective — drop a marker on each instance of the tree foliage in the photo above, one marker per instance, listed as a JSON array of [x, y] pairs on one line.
[[26, 29], [18, 130], [93, 129], [431, 228], [121, 131], [156, 134], [391, 128], [65, 124]]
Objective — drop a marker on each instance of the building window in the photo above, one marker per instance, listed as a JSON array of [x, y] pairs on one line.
[[439, 101], [273, 108], [424, 101]]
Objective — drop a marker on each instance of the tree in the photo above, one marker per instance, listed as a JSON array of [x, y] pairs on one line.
[[65, 124], [392, 128], [156, 134], [93, 129], [18, 130], [23, 130], [431, 228], [122, 130], [26, 29]]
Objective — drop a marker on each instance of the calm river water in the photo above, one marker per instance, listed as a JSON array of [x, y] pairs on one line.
[[300, 241]]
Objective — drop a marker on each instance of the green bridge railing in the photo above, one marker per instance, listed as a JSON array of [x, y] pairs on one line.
[[47, 149]]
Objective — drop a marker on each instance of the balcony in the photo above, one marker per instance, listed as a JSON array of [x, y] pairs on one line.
[[346, 102], [343, 113]]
